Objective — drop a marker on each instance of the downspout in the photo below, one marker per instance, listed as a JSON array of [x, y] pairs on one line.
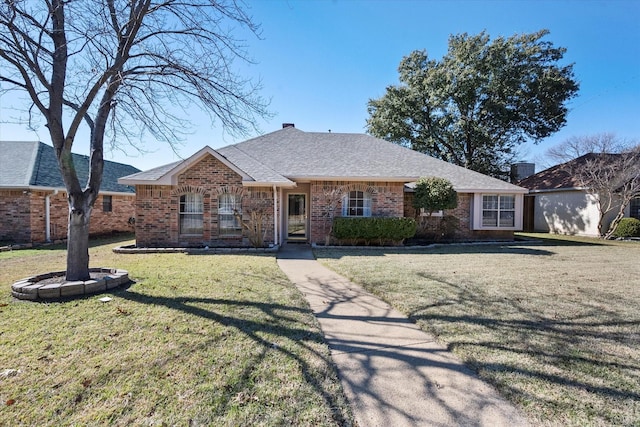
[[275, 216], [47, 215]]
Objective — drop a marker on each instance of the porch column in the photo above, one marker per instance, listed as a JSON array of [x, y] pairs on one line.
[[275, 215]]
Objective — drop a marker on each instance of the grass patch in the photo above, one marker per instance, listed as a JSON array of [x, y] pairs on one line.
[[221, 340], [555, 325]]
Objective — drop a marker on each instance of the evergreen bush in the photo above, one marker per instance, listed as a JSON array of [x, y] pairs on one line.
[[628, 227], [370, 230]]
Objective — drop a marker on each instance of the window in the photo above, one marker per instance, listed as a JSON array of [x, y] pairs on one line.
[[107, 205], [229, 206], [356, 203], [498, 210], [191, 214], [634, 208], [433, 214]]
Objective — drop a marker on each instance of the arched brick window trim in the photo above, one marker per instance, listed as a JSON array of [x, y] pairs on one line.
[[361, 187], [186, 189], [231, 190], [364, 188]]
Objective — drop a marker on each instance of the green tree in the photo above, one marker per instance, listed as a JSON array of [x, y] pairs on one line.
[[479, 102], [123, 69], [434, 194]]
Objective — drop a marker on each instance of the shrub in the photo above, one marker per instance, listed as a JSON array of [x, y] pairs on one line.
[[373, 229], [628, 227], [434, 194], [438, 228]]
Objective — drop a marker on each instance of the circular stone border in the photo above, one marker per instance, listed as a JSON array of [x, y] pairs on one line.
[[30, 289]]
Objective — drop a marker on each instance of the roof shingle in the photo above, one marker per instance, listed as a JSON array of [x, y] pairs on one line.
[[25, 164], [290, 154]]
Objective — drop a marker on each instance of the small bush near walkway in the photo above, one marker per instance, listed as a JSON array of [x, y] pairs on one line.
[[209, 340]]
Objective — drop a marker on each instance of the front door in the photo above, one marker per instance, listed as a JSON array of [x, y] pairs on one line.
[[297, 217]]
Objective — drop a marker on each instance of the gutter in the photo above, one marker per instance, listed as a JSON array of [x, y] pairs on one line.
[[47, 215], [557, 190]]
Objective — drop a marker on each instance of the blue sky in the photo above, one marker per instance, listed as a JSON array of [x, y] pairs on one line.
[[320, 61]]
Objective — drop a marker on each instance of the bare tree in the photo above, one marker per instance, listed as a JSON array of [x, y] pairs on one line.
[[577, 146], [123, 68], [613, 178]]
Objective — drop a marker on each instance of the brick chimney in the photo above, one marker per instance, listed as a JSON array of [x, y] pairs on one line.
[[288, 125]]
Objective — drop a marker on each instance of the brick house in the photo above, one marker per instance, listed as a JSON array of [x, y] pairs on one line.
[[295, 182], [33, 199]]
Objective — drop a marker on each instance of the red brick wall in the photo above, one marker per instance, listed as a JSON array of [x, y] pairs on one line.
[[153, 215], [158, 207], [122, 209], [387, 200], [15, 224], [23, 215], [464, 214]]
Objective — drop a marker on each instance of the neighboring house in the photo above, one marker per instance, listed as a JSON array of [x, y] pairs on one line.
[[557, 203], [33, 199], [298, 181]]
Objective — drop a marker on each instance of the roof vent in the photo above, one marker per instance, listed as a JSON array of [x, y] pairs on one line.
[[288, 125]]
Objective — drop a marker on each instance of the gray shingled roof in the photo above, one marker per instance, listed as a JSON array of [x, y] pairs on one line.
[[34, 164], [252, 166], [290, 154]]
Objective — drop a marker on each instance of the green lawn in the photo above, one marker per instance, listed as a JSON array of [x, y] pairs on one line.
[[554, 325], [220, 340]]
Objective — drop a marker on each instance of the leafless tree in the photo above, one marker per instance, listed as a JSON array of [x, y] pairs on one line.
[[577, 146], [613, 178], [123, 68]]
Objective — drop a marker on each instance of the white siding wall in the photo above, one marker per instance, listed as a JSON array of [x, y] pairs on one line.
[[568, 212]]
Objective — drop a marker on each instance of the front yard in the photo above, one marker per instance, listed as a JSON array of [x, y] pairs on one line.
[[197, 340], [555, 326], [227, 340]]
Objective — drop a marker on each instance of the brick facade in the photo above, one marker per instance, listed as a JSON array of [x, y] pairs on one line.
[[463, 226], [158, 208], [23, 215], [327, 196], [15, 220]]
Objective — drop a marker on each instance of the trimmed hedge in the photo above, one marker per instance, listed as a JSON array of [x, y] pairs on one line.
[[628, 227], [373, 229]]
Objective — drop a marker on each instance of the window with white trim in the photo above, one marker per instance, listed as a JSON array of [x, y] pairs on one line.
[[191, 210], [229, 215], [498, 210], [356, 203]]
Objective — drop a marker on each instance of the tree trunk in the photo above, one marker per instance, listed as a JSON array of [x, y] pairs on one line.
[[78, 238]]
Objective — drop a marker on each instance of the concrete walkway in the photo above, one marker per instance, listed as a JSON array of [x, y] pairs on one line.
[[392, 373]]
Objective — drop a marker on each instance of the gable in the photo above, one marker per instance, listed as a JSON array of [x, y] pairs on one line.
[[208, 168]]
